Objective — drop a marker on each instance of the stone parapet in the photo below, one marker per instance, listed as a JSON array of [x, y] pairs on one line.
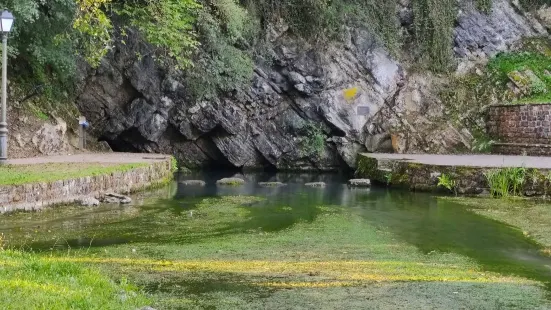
[[422, 172], [36, 196], [521, 129]]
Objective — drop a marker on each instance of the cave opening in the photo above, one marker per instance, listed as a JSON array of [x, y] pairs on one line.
[[125, 142]]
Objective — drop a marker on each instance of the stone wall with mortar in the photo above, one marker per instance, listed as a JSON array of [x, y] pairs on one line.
[[36, 196], [469, 180], [521, 129]]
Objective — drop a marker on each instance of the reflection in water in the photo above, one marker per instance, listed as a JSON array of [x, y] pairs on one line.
[[419, 219]]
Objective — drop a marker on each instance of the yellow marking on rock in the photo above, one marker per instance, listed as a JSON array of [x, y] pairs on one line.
[[350, 93]]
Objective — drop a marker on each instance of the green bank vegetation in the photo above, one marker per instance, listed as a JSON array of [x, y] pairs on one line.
[[38, 173], [31, 281], [506, 181], [313, 140], [448, 182], [529, 69]]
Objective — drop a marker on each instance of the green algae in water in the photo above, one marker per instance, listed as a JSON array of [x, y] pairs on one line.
[[293, 246]]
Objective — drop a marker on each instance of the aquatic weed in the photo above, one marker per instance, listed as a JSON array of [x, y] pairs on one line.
[[447, 182], [506, 181]]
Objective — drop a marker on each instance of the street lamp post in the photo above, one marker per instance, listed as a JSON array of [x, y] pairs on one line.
[[6, 22]]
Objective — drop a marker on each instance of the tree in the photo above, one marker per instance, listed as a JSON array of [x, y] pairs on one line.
[[166, 24], [48, 36]]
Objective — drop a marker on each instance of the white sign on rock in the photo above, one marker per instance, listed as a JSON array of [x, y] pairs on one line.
[[362, 110]]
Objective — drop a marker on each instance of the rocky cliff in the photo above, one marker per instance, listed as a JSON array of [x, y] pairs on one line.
[[353, 92]]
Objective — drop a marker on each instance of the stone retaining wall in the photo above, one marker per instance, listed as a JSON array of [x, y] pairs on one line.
[[521, 129], [38, 195], [469, 180]]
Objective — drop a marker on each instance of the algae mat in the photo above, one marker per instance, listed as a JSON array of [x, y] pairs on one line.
[[296, 248]]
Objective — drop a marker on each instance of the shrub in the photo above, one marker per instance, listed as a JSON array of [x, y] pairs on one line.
[[447, 182], [313, 140], [220, 66], [165, 24], [536, 60], [434, 22], [506, 181]]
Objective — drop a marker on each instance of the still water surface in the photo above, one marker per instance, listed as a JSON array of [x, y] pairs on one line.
[[426, 222]]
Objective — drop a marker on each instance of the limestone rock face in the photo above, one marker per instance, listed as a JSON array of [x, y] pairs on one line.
[[50, 139], [479, 36], [143, 108], [137, 105]]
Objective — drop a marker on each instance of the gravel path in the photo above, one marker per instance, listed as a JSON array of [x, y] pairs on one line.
[[489, 161], [115, 158]]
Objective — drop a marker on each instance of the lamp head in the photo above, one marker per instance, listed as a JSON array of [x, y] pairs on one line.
[[6, 21]]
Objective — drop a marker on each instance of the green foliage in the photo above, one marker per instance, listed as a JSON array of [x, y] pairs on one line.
[[482, 143], [323, 19], [498, 183], [507, 66], [55, 32], [484, 5], [447, 182], [313, 140], [93, 30], [518, 178], [305, 17], [434, 21], [165, 24], [388, 177], [234, 19], [173, 164], [38, 48], [506, 181], [533, 4], [48, 36], [220, 66]]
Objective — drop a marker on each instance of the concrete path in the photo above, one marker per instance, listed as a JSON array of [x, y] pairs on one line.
[[107, 158], [488, 161]]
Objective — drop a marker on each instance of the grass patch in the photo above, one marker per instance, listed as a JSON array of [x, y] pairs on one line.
[[531, 69], [29, 281], [23, 174]]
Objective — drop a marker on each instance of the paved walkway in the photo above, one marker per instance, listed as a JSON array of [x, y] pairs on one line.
[[487, 161], [115, 158]]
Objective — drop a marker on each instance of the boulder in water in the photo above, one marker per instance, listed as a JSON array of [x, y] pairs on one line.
[[89, 202], [316, 184], [116, 198], [359, 183], [231, 182], [193, 183], [271, 184]]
